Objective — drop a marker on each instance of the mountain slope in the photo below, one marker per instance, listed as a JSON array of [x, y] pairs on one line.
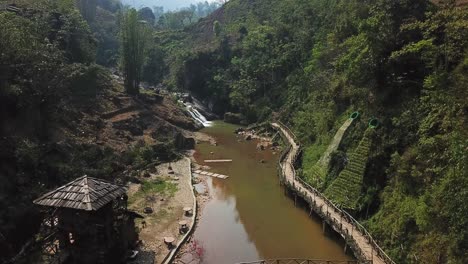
[[311, 63], [62, 116]]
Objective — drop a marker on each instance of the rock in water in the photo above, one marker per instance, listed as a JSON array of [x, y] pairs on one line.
[[233, 118], [239, 130]]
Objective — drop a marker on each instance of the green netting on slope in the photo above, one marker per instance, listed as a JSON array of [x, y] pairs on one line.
[[316, 175], [346, 188]]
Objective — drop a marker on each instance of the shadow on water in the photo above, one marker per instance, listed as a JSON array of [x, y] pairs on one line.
[[250, 216]]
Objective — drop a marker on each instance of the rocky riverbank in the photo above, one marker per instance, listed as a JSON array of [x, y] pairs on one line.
[[266, 138]]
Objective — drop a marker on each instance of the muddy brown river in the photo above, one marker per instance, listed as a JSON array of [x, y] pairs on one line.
[[250, 217]]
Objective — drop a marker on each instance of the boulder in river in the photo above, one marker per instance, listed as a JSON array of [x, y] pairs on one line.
[[182, 142], [233, 118], [239, 130], [248, 137]]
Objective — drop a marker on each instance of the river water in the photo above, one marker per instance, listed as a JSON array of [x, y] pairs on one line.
[[250, 217]]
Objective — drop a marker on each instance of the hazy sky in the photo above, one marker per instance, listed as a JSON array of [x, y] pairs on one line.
[[167, 4]]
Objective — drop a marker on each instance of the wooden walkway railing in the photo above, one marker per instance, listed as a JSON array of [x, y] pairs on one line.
[[301, 261], [357, 237]]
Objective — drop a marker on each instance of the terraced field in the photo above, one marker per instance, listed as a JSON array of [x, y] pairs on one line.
[[346, 189], [318, 173]]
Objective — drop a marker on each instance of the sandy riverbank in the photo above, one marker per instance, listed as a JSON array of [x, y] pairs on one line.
[[166, 192], [190, 251]]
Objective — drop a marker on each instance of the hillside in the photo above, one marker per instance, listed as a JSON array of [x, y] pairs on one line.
[[312, 63], [403, 65], [62, 116]]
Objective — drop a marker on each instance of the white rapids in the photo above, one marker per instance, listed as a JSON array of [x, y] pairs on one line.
[[197, 115]]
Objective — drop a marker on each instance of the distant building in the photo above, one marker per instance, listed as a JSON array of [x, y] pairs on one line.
[[87, 221]]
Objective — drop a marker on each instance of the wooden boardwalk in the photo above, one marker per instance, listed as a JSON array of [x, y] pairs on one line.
[[211, 174], [356, 236]]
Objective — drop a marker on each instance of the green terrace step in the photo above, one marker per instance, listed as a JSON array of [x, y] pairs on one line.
[[346, 189]]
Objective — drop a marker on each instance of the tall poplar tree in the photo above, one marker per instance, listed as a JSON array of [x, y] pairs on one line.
[[134, 40]]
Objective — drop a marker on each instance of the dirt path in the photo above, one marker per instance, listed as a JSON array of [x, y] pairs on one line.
[[168, 207], [288, 168], [191, 251], [325, 159]]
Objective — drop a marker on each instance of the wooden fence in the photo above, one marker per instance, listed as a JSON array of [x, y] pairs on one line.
[[301, 261], [324, 214]]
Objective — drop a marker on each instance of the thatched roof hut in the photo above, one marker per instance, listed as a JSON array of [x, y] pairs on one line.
[[88, 222], [85, 193]]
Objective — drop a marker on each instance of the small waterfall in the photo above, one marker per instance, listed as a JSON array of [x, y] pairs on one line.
[[197, 115]]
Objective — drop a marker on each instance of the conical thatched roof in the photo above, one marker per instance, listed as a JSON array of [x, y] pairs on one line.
[[85, 193]]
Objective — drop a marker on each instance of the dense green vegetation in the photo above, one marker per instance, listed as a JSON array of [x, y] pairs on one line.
[[44, 52], [313, 62], [51, 96], [175, 20], [308, 62]]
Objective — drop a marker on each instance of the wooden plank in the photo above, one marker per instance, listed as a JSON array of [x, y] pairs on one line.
[[211, 174], [218, 161]]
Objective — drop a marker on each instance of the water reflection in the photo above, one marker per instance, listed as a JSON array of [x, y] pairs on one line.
[[249, 217]]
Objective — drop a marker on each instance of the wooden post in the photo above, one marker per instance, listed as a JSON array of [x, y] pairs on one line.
[[323, 226], [345, 246]]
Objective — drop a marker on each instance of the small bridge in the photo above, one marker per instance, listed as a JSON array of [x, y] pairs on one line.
[[355, 235], [301, 261]]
